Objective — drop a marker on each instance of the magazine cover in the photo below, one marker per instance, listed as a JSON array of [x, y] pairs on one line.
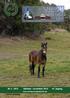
[[34, 49]]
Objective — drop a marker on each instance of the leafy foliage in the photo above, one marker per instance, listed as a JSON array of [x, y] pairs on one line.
[[14, 26]]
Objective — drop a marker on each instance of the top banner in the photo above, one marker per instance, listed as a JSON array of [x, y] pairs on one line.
[[43, 14]]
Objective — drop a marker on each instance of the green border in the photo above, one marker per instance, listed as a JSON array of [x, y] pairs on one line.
[[34, 90]]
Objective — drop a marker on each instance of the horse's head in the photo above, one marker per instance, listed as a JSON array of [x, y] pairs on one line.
[[44, 46]]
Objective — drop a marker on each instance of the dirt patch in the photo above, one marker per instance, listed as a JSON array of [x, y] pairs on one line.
[[58, 30], [8, 55]]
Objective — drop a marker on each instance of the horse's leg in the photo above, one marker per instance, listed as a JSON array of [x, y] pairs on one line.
[[33, 68], [30, 68], [43, 70], [39, 71]]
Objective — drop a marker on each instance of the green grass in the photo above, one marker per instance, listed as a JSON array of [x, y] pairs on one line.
[[14, 63]]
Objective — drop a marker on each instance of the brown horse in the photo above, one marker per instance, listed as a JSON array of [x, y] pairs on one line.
[[38, 57]]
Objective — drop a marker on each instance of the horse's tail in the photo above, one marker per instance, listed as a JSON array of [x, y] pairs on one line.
[[31, 65], [31, 58]]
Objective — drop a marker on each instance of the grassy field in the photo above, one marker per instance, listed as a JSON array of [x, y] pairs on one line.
[[14, 63]]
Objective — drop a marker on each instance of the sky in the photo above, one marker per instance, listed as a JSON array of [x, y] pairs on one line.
[[66, 3]]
